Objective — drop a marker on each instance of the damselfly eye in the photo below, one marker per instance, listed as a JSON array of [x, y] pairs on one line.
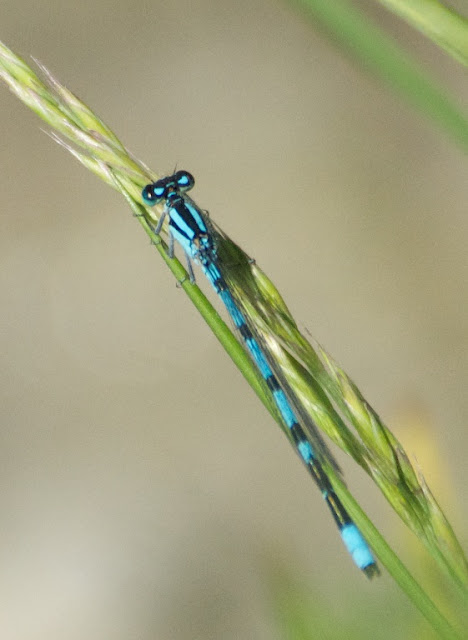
[[153, 193], [184, 179]]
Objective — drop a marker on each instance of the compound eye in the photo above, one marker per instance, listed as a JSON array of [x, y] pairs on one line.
[[184, 180], [154, 193]]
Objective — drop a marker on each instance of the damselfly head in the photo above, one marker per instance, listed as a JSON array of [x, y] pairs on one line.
[[180, 182]]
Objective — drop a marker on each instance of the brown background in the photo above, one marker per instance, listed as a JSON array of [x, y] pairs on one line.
[[144, 489]]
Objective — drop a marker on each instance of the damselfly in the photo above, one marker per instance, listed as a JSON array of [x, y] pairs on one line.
[[190, 227]]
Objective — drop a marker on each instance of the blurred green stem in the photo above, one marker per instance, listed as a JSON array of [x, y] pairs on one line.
[[442, 25], [379, 53]]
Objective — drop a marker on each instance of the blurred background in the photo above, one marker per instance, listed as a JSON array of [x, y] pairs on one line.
[[145, 492]]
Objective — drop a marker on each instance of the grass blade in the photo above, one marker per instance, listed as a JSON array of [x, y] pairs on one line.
[[381, 55]]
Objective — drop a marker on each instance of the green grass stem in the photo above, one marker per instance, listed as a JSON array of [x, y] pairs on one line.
[[378, 53], [444, 26]]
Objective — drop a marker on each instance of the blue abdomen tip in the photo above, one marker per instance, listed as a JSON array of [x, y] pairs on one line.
[[357, 546]]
